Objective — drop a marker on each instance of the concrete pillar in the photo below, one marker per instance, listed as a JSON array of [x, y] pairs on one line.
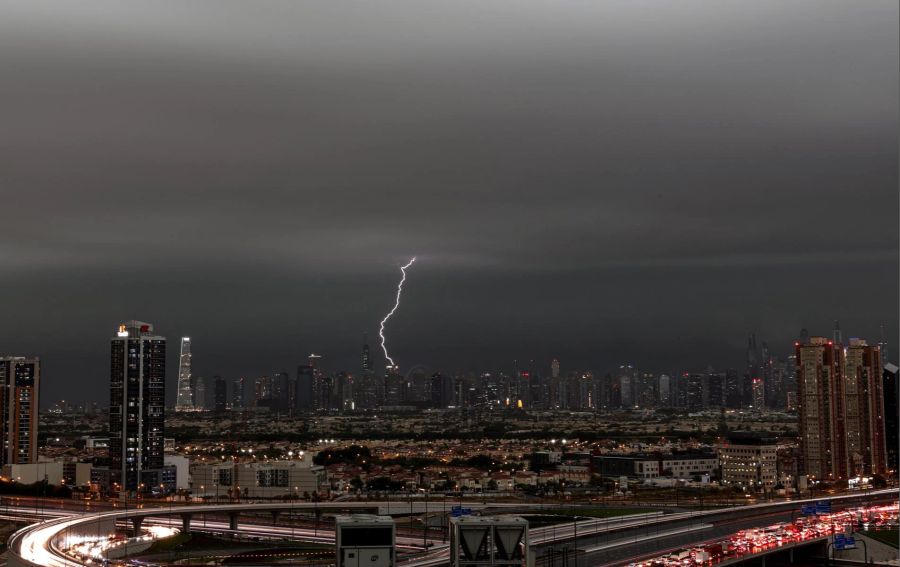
[[186, 523], [275, 515], [233, 520], [136, 524], [763, 560]]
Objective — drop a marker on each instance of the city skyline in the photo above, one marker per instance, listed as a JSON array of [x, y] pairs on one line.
[[571, 189], [177, 388]]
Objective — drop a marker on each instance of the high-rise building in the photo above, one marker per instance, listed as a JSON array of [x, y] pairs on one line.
[[441, 390], [394, 387], [20, 379], [198, 385], [733, 390], [237, 393], [759, 393], [891, 415], [137, 405], [665, 391], [221, 395], [185, 399], [645, 390], [262, 391], [753, 371], [366, 359], [818, 376], [305, 385], [841, 408], [863, 394], [582, 391], [713, 388], [282, 394], [694, 392], [626, 385]]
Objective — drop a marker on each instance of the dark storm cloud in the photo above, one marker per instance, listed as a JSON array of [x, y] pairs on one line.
[[608, 181]]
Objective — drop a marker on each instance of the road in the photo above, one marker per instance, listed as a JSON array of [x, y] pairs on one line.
[[613, 540], [654, 538]]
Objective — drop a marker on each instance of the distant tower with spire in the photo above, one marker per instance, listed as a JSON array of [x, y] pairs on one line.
[[837, 337]]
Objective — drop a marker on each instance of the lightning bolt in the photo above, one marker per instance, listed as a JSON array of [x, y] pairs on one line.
[[396, 305]]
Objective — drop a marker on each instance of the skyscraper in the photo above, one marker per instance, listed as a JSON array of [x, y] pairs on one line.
[[366, 359], [753, 371], [665, 391], [20, 379], [185, 399], [759, 393], [394, 386], [841, 408], [818, 376], [137, 405], [626, 381], [305, 396], [891, 414], [864, 409], [237, 393], [221, 395], [694, 392], [198, 385]]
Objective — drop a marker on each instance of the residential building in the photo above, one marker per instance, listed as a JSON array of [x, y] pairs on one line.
[[863, 393], [841, 409], [137, 405], [20, 380]]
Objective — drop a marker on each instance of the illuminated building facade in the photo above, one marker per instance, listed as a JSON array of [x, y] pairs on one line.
[[864, 409], [136, 405], [840, 401], [20, 379], [185, 399]]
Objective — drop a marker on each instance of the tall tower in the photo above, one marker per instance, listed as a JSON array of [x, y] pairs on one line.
[[864, 419], [819, 365], [136, 406], [753, 371], [20, 379], [366, 359], [185, 400], [304, 398]]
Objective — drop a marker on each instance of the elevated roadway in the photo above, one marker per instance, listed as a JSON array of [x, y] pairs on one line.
[[632, 537]]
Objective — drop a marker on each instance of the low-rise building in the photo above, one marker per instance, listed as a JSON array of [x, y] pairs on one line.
[[639, 465], [749, 461], [181, 465], [688, 464], [273, 479], [29, 473]]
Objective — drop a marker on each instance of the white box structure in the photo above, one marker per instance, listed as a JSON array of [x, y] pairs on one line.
[[479, 541], [365, 540]]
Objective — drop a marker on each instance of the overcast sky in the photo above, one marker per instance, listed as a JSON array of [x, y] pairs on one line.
[[603, 182]]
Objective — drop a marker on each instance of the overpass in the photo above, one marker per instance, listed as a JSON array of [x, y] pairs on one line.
[[42, 544]]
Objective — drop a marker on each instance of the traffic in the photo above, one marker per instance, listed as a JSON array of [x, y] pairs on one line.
[[758, 540]]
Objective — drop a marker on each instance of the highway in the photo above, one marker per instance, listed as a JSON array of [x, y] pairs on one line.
[[675, 531], [600, 541]]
